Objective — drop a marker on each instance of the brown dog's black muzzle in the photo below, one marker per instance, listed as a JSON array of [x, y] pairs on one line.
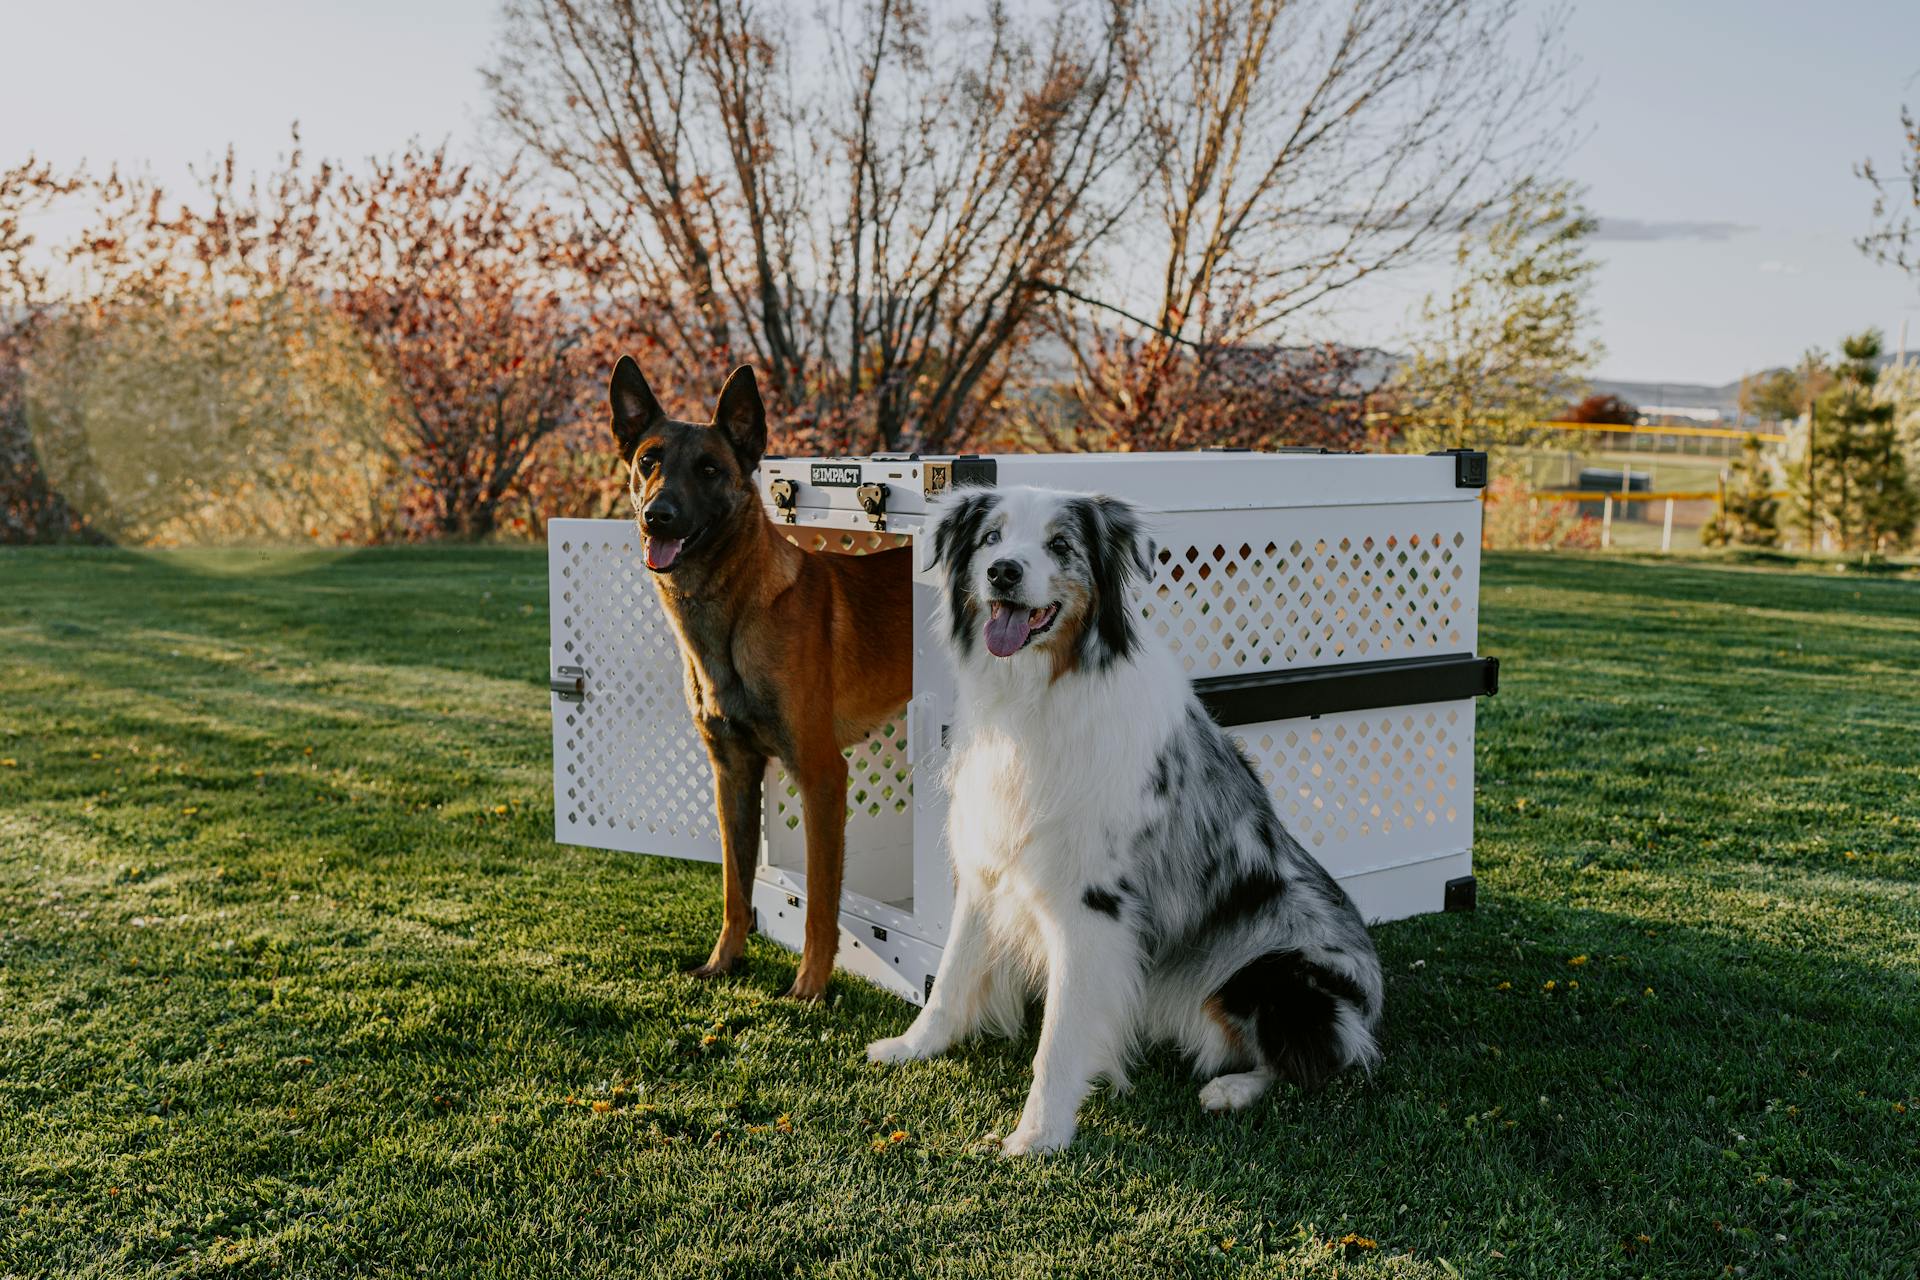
[[662, 520]]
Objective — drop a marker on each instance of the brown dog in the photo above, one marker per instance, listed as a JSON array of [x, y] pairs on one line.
[[791, 655]]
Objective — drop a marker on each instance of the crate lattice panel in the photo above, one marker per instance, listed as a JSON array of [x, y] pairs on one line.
[[1308, 588], [630, 771], [879, 816], [1370, 789], [879, 781]]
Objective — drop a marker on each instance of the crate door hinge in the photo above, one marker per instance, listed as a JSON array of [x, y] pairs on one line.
[[786, 499], [569, 684]]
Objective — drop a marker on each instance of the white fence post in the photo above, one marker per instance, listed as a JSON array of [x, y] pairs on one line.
[[1606, 523], [1666, 530]]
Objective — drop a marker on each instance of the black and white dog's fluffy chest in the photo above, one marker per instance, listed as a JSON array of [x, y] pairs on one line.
[[1045, 777]]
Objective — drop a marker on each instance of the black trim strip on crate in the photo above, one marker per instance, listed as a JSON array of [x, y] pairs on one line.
[[1354, 686]]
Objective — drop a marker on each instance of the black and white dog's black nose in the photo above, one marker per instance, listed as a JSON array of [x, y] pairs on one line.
[[1004, 574]]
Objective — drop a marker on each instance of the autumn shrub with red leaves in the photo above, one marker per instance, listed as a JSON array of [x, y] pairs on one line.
[[483, 320], [1602, 409], [1514, 520], [32, 506]]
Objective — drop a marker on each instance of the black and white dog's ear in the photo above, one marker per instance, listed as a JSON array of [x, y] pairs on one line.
[[1120, 554], [1122, 549], [954, 525]]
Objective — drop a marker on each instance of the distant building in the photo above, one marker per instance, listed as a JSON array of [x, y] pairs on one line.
[[1691, 413]]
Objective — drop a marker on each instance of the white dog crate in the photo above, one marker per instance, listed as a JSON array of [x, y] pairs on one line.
[[1327, 606]]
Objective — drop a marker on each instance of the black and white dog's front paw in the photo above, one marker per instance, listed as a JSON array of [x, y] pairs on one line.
[[1036, 1140], [906, 1048]]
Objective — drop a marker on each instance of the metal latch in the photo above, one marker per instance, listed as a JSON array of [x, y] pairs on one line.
[[786, 498], [873, 501], [570, 685]]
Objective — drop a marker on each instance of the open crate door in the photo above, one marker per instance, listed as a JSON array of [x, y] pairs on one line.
[[629, 772]]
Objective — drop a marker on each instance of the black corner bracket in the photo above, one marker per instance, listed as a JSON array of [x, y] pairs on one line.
[[970, 468], [1469, 467], [1462, 894]]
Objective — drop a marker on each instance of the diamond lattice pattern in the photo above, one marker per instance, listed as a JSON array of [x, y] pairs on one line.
[[1235, 605], [879, 781], [631, 766], [1383, 778]]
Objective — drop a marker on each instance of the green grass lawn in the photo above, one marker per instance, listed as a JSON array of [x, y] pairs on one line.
[[294, 981]]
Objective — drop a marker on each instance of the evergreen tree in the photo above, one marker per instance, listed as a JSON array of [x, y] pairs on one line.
[[1853, 478], [1749, 514]]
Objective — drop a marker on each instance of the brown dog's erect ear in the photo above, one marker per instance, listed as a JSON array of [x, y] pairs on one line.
[[634, 408], [742, 418]]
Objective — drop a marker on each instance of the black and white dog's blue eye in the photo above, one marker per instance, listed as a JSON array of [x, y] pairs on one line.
[[993, 536], [1059, 546]]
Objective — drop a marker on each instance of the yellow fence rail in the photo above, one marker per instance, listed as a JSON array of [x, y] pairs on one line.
[[1625, 428], [1636, 495]]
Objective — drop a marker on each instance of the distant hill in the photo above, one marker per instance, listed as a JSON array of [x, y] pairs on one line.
[[1700, 400], [1692, 397]]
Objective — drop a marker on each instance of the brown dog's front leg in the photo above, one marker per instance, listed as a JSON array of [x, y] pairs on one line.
[[737, 775], [823, 791]]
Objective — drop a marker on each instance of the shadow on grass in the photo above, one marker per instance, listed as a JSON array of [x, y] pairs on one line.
[[1695, 1087]]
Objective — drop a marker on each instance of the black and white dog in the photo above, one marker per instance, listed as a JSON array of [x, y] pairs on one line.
[[1112, 848]]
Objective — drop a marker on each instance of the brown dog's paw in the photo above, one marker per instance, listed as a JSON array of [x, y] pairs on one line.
[[808, 989], [713, 968]]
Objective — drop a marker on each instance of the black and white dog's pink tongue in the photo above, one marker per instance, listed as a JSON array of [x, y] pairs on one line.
[[1007, 630], [662, 552]]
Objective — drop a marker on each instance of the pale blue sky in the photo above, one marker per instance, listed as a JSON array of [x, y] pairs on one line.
[[1743, 116]]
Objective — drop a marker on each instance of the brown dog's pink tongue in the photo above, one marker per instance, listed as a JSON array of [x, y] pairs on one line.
[[1007, 630], [662, 552]]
